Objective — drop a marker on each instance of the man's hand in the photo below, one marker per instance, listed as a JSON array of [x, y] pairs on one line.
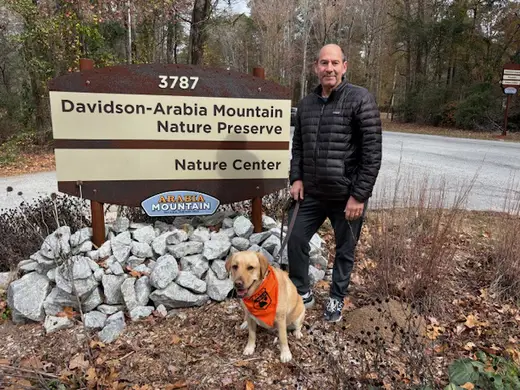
[[296, 190], [354, 209]]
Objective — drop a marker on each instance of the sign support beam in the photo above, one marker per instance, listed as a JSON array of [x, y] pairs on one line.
[[96, 208], [504, 132], [256, 203]]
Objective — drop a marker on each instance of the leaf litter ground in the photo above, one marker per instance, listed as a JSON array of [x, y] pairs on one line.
[[378, 341]]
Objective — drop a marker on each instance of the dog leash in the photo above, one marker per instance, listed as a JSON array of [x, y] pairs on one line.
[[283, 242]]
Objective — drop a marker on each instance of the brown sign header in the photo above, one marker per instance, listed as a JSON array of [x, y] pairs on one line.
[[170, 79]]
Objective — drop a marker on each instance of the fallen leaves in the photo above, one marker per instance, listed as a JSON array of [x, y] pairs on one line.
[[78, 361], [32, 363], [97, 344], [322, 284], [30, 163], [17, 384], [4, 310], [91, 377], [356, 279], [67, 312], [134, 273], [249, 385], [348, 304], [469, 346], [472, 322], [514, 354], [459, 329], [434, 331], [177, 385]]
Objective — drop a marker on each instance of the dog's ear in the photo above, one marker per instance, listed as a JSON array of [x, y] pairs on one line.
[[228, 262], [264, 263]]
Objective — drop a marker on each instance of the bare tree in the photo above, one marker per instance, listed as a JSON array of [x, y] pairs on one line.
[[198, 33]]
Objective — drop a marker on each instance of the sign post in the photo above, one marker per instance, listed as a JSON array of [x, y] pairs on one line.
[[256, 203], [510, 82], [177, 140], [96, 208]]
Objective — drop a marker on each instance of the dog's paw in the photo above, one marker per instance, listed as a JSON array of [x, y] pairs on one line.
[[285, 356], [243, 325], [249, 349], [298, 334]]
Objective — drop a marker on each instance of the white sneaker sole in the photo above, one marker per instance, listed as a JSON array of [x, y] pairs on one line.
[[310, 305]]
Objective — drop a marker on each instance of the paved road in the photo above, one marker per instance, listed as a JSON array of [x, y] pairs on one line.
[[416, 158], [489, 170], [30, 185]]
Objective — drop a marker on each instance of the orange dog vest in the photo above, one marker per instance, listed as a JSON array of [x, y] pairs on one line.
[[262, 304]]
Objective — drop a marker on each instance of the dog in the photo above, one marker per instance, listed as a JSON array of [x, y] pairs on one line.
[[269, 299]]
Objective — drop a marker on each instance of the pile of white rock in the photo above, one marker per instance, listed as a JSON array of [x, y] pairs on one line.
[[140, 269]]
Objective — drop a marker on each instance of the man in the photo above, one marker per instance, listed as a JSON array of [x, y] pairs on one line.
[[336, 157]]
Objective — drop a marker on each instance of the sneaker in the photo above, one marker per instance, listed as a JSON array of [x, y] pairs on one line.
[[308, 299], [333, 310]]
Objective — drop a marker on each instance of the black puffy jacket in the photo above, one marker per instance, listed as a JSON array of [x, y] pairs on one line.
[[337, 148]]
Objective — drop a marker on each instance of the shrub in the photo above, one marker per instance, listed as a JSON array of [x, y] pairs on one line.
[[480, 109], [488, 371], [411, 242], [504, 259], [24, 228]]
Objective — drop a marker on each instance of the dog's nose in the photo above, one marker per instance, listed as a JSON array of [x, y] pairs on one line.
[[239, 284]]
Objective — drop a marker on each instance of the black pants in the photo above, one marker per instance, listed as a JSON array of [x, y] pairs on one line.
[[311, 215]]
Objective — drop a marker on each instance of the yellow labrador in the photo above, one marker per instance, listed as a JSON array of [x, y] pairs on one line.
[[268, 297]]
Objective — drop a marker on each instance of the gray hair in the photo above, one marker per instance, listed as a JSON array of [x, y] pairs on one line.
[[343, 56]]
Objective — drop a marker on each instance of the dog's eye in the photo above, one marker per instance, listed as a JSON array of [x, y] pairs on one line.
[[250, 268], [235, 267]]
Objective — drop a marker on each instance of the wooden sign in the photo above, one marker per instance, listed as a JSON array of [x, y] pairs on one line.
[[126, 133], [510, 76], [510, 82]]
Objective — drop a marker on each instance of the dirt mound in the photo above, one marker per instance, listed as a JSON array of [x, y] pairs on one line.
[[387, 320]]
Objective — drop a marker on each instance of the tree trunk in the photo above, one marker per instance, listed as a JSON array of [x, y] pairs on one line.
[[305, 32], [129, 28], [170, 36], [201, 11]]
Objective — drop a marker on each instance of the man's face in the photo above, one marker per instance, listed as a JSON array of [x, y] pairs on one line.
[[330, 68]]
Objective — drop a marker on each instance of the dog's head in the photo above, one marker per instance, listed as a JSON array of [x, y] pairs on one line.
[[247, 269]]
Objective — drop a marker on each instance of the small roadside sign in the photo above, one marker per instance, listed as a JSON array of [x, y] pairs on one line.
[[510, 76], [510, 81]]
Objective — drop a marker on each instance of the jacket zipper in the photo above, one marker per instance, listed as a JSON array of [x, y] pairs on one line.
[[316, 149]]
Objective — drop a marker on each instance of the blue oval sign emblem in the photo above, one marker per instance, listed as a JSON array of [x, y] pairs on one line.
[[180, 203]]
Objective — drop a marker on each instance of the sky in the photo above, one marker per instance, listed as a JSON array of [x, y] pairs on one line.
[[239, 6]]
